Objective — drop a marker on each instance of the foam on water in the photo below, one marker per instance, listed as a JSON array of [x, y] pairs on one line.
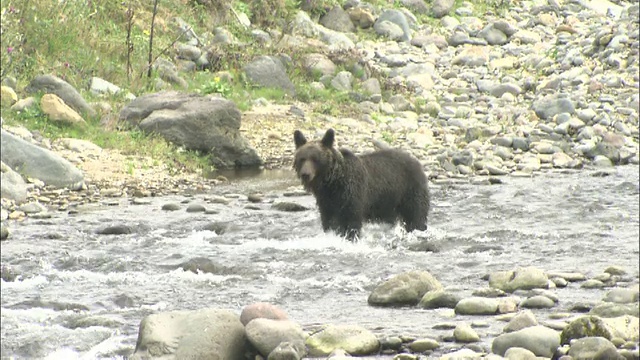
[[22, 284], [315, 277]]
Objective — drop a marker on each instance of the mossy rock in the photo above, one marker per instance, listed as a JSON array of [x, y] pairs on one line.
[[585, 326]]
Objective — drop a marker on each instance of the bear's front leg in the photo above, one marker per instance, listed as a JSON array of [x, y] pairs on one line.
[[327, 220], [350, 225]]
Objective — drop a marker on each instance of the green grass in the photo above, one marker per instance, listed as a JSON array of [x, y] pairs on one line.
[[76, 40], [132, 142]]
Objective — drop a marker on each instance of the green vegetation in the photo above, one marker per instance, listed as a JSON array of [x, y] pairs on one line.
[[76, 40]]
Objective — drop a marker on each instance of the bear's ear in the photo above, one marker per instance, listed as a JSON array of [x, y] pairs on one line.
[[328, 138], [299, 138]]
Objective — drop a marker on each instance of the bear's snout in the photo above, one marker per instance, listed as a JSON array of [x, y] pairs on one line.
[[307, 172]]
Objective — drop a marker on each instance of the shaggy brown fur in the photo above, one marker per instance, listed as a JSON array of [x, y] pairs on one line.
[[382, 186]]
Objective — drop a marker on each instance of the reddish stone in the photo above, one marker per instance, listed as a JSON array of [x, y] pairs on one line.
[[262, 310]]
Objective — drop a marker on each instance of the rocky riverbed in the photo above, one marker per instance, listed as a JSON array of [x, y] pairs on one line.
[[544, 266], [540, 91]]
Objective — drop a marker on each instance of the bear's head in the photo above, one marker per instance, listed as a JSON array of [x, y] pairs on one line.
[[315, 161]]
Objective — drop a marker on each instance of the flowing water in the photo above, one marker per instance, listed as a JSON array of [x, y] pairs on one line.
[[82, 295]]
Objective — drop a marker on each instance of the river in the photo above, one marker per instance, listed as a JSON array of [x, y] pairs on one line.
[[81, 295]]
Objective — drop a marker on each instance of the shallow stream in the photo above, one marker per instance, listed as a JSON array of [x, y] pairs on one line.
[[82, 295]]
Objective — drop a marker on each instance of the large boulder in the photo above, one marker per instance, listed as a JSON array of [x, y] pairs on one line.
[[54, 85], [214, 334], [404, 289], [207, 124], [269, 72], [13, 185], [39, 163]]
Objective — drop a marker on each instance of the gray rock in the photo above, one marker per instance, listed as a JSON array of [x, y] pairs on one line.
[[549, 106], [319, 64], [101, 86], [520, 143], [592, 284], [465, 334], [602, 161], [458, 38], [288, 206], [269, 72], [517, 353], [471, 57], [39, 163], [196, 334], [118, 229], [520, 279], [609, 310], [438, 299], [416, 6], [337, 19], [586, 348], [32, 207], [527, 36], [188, 52], [522, 320], [342, 81], [353, 339], [505, 27], [196, 208], [424, 344], [13, 186], [4, 235], [537, 302], [493, 36], [396, 17], [207, 124], [171, 207], [538, 339], [584, 326], [267, 334], [501, 89], [371, 86], [54, 85], [440, 8], [477, 306], [404, 289], [586, 114], [622, 296]]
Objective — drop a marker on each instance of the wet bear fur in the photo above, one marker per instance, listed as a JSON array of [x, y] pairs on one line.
[[381, 186]]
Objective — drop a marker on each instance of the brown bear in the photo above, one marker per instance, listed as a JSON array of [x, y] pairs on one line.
[[381, 186]]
